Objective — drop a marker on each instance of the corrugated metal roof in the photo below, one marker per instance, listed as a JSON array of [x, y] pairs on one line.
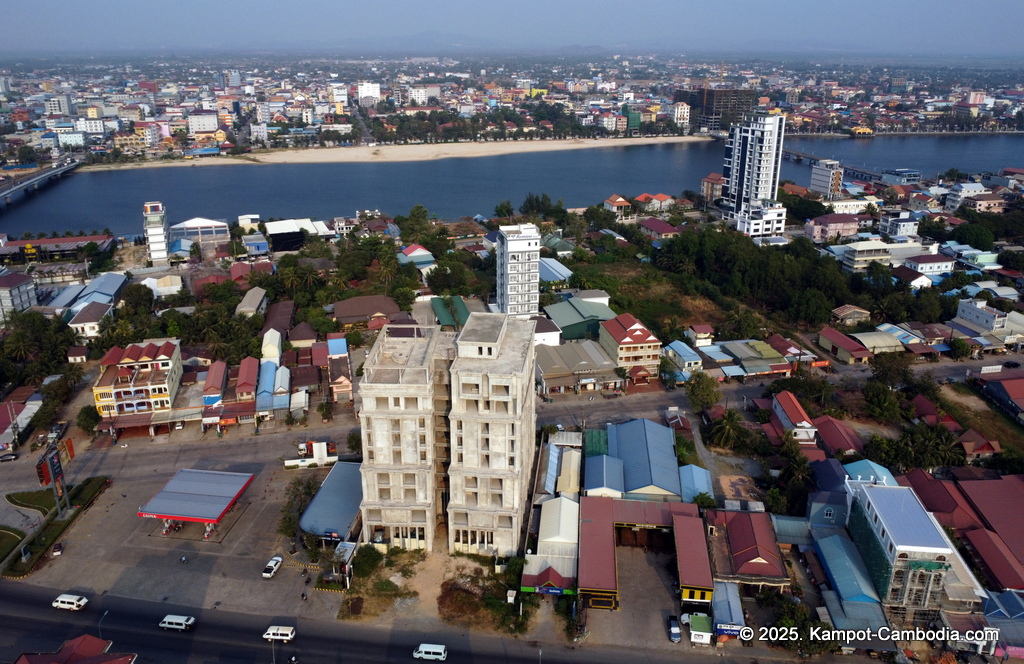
[[559, 521], [867, 471], [906, 520], [441, 313], [604, 472], [846, 569], [552, 270], [727, 607], [693, 480], [197, 495], [647, 450], [335, 507], [595, 442], [693, 560], [460, 310]]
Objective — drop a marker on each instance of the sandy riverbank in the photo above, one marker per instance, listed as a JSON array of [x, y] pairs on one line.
[[398, 153]]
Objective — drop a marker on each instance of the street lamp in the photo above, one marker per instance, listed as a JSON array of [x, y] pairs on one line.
[[99, 626], [540, 656]]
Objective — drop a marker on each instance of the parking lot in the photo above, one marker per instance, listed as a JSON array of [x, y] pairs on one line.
[[129, 556]]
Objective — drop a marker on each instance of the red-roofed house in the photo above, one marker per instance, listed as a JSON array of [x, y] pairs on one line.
[[711, 186], [837, 437], [927, 412], [248, 376], [976, 446], [843, 347], [632, 345], [619, 205], [656, 203], [995, 559], [793, 417], [83, 649], [656, 228], [943, 499], [997, 503], [701, 335], [745, 549], [142, 378]]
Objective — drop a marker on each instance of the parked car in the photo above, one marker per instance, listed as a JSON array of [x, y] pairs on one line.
[[1011, 364], [559, 427], [675, 635], [8, 457], [58, 548], [273, 565]]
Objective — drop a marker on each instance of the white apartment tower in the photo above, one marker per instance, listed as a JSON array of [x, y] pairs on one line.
[[827, 179], [155, 229], [448, 435], [681, 114], [405, 402], [518, 254], [492, 420], [753, 159], [62, 104]]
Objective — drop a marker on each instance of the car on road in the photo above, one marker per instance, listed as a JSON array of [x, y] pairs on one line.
[[559, 427], [8, 457], [273, 565], [58, 548], [675, 635], [1011, 365]]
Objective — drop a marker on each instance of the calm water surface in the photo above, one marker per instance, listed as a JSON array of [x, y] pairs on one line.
[[451, 187]]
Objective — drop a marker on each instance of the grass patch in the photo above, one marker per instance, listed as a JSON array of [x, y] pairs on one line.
[[994, 425], [81, 495], [40, 500], [686, 452], [474, 599], [9, 540], [373, 589]]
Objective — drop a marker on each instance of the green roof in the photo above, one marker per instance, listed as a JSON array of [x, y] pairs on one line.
[[701, 624], [574, 311], [595, 442], [441, 313], [460, 310]]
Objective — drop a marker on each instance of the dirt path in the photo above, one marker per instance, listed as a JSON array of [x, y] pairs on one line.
[[968, 400]]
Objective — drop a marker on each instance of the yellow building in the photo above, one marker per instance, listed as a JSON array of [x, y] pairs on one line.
[[863, 131], [141, 378]]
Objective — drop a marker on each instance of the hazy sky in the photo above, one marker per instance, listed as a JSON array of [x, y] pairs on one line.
[[829, 27]]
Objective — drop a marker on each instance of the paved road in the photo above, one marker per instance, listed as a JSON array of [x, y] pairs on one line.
[[32, 625]]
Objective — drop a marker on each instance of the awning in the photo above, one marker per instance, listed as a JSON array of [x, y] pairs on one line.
[[734, 371]]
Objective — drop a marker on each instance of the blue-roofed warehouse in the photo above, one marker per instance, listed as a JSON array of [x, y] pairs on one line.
[[603, 476], [647, 450], [693, 480], [333, 514], [265, 386], [845, 569]]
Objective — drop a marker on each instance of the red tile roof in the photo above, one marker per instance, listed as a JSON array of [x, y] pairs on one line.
[[625, 329], [248, 375], [998, 503], [692, 559], [216, 376], [658, 226], [837, 436], [840, 340], [975, 443], [999, 563], [84, 649], [792, 408], [943, 499], [752, 544]]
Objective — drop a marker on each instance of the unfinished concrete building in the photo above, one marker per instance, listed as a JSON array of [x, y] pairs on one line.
[[493, 419], [448, 429], [405, 403]]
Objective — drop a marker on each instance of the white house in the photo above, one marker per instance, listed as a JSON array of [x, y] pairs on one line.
[[960, 191], [930, 263]]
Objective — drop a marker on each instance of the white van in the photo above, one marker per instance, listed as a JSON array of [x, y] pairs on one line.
[[70, 602], [279, 633], [180, 623], [430, 651]]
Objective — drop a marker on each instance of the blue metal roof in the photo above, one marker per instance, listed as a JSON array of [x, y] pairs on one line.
[[647, 450], [552, 270], [604, 472], [733, 371], [726, 605], [337, 347], [335, 507], [869, 470], [845, 569], [265, 385], [683, 351], [693, 480], [109, 284]]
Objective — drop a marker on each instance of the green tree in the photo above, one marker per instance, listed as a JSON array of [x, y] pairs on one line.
[[705, 501], [702, 391], [504, 209], [975, 235], [728, 430], [958, 348], [88, 418], [892, 369]]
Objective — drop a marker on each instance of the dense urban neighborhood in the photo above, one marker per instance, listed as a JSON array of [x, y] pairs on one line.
[[752, 417]]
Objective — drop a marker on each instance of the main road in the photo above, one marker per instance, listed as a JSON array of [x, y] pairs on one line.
[[32, 625]]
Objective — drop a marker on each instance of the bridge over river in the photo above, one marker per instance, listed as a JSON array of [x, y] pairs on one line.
[[32, 181], [850, 172]]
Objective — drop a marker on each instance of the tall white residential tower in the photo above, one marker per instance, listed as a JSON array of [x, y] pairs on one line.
[[518, 254], [155, 228], [753, 159]]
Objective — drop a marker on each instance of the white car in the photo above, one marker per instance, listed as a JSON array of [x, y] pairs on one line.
[[273, 565], [559, 427]]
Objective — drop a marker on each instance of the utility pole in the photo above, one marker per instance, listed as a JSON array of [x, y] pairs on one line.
[[99, 626]]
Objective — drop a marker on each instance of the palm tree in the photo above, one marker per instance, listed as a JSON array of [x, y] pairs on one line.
[[797, 472], [308, 276], [727, 431], [74, 374], [20, 345]]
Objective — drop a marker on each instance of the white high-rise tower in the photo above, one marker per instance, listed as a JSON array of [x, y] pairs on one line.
[[155, 228], [753, 160], [518, 254]]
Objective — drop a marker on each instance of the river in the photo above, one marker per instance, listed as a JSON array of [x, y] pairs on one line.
[[452, 188]]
